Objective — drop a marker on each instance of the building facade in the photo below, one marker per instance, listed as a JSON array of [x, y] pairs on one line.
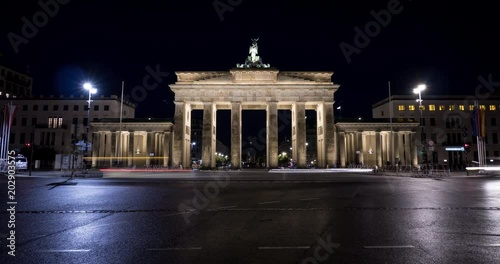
[[446, 126], [14, 84], [54, 122]]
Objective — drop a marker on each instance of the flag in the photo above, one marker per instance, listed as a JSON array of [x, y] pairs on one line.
[[474, 122], [482, 123]]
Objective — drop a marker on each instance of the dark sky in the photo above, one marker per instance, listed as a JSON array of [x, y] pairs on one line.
[[445, 44]]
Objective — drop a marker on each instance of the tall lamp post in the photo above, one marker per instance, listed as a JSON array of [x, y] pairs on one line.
[[88, 86], [418, 91]]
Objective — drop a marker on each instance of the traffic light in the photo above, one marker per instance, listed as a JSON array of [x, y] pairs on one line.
[[467, 147], [28, 145]]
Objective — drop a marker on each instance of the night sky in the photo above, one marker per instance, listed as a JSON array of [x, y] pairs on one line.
[[445, 45]]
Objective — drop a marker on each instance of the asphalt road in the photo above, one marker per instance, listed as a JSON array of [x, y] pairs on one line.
[[254, 217]]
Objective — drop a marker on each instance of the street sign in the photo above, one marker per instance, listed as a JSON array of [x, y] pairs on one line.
[[431, 148], [430, 143]]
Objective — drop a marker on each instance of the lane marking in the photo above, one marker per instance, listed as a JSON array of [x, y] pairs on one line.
[[172, 249], [270, 202], [64, 250], [407, 246], [226, 207], [272, 248], [308, 199], [485, 245]]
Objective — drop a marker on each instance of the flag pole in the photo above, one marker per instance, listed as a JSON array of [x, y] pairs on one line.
[[121, 116], [392, 156]]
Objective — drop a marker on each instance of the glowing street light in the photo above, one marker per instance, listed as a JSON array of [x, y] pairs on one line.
[[88, 86], [420, 88]]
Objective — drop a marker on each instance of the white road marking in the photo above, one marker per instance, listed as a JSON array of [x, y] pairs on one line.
[[271, 248], [172, 249], [64, 250], [226, 207], [407, 246], [270, 202], [485, 245], [308, 199]]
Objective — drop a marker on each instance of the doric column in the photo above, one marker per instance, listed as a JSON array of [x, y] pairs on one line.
[[401, 147], [95, 149], [209, 139], [329, 133], [414, 151], [299, 133], [166, 148], [149, 147], [236, 135], [378, 149], [107, 151], [407, 149], [131, 150], [342, 148], [182, 131], [272, 135], [102, 146], [360, 146]]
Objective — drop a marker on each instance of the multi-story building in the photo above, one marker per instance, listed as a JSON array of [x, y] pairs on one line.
[[54, 122], [445, 126], [14, 84]]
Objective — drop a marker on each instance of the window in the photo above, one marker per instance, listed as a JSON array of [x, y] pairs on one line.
[[442, 108], [14, 121], [85, 121], [35, 108], [22, 138], [56, 108], [55, 122], [422, 107], [493, 107], [482, 107], [451, 107], [65, 108], [25, 107], [433, 121], [45, 108], [422, 121], [12, 138], [75, 108], [106, 108], [401, 107], [411, 107], [85, 107], [432, 108], [33, 121], [23, 121], [493, 121], [96, 108], [75, 120], [494, 138], [471, 107], [461, 107]]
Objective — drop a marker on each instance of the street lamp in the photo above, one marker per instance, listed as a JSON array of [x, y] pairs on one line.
[[418, 91], [88, 86]]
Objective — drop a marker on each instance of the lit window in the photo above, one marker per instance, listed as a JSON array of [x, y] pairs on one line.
[[482, 107], [401, 107], [461, 107], [441, 108], [7, 95], [471, 107], [432, 108], [422, 107], [493, 107], [451, 107], [55, 122], [411, 107]]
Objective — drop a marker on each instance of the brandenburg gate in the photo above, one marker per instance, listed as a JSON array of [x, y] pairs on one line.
[[254, 86]]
